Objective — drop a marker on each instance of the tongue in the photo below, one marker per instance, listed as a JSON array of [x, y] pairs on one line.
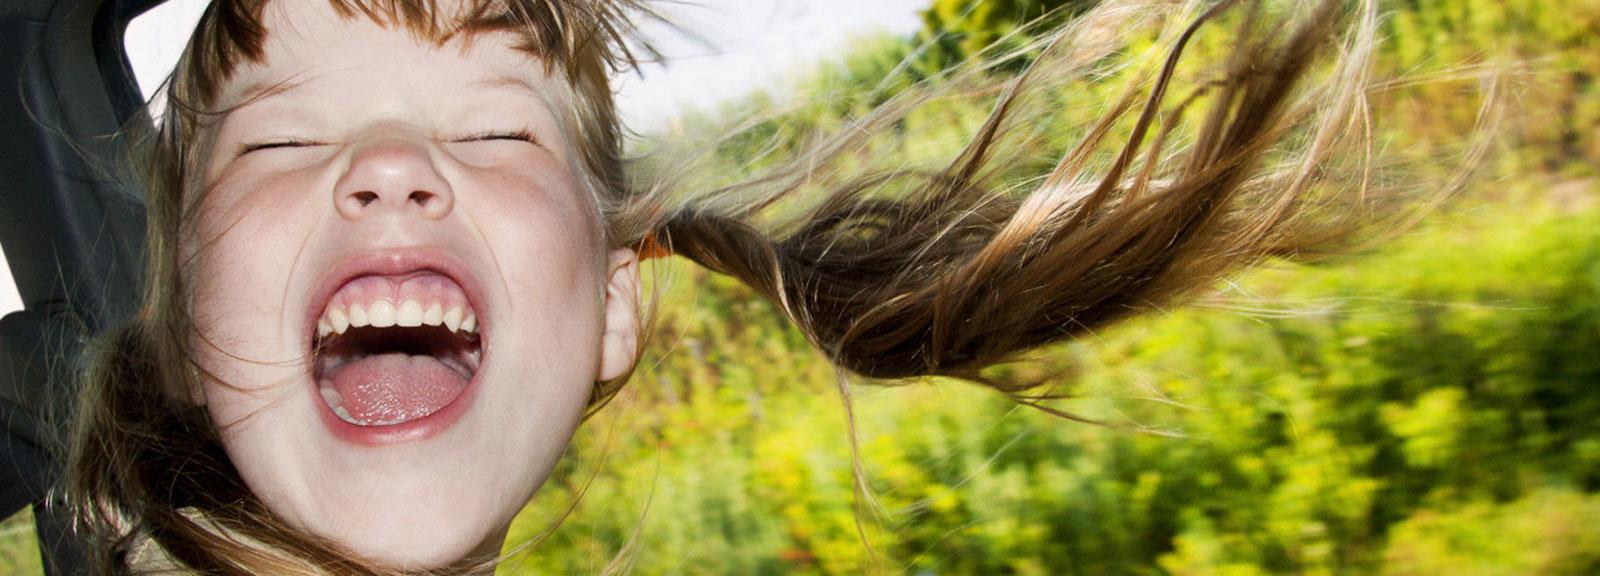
[[394, 387]]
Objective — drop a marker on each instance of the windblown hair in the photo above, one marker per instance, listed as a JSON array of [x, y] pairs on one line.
[[891, 271]]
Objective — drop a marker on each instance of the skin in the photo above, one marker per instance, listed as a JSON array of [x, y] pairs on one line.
[[361, 111]]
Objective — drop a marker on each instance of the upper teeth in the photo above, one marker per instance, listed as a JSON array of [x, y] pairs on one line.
[[383, 313], [382, 301]]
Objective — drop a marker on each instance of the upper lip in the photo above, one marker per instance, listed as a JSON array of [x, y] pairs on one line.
[[393, 262]]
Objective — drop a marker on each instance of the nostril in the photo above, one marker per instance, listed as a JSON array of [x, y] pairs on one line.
[[421, 197], [365, 197]]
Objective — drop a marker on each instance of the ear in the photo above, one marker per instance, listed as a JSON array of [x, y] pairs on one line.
[[619, 346]]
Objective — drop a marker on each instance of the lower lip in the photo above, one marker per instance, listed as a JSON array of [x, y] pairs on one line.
[[410, 431]]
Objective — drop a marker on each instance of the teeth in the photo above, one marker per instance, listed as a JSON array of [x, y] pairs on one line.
[[452, 318], [409, 314], [381, 314], [333, 398], [358, 316]]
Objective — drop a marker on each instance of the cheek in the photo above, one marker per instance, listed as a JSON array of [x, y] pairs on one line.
[[545, 237], [246, 242], [544, 228], [253, 200]]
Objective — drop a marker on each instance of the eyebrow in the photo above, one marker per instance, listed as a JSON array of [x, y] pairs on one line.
[[515, 82], [261, 90], [505, 80]]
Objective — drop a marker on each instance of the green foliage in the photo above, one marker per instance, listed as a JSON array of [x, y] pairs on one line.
[[1550, 531], [1558, 102], [1444, 383], [19, 550], [959, 29]]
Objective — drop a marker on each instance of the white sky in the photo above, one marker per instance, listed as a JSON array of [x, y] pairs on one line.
[[755, 43]]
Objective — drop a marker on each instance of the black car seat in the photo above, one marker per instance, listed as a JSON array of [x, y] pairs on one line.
[[72, 232]]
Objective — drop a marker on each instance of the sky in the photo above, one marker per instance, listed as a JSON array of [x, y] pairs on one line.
[[753, 45]]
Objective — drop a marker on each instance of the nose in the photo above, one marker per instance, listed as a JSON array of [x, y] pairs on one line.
[[392, 175]]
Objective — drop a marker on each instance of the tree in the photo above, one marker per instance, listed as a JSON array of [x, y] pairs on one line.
[[957, 29]]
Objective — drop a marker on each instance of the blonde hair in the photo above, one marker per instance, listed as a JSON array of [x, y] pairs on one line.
[[891, 271]]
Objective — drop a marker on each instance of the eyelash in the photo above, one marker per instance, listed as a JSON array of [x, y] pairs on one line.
[[521, 135], [248, 148]]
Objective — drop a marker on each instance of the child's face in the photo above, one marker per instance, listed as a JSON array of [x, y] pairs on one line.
[[407, 187]]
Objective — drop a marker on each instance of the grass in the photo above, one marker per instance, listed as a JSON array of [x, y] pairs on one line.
[[19, 549]]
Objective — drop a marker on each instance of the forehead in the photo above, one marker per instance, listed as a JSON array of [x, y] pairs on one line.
[[308, 42]]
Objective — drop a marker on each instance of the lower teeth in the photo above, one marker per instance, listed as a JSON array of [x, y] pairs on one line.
[[345, 415], [332, 397]]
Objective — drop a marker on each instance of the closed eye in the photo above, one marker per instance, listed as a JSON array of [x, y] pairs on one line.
[[518, 135], [269, 145]]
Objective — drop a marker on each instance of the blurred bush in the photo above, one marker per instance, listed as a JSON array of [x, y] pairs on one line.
[[1447, 382], [1427, 409]]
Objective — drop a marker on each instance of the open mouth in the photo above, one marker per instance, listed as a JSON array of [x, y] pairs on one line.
[[395, 349]]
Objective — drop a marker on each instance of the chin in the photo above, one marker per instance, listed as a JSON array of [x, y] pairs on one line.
[[422, 547]]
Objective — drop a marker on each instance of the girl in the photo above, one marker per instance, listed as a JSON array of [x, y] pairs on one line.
[[395, 254]]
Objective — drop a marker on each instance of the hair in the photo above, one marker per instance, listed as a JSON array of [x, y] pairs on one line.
[[891, 271]]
